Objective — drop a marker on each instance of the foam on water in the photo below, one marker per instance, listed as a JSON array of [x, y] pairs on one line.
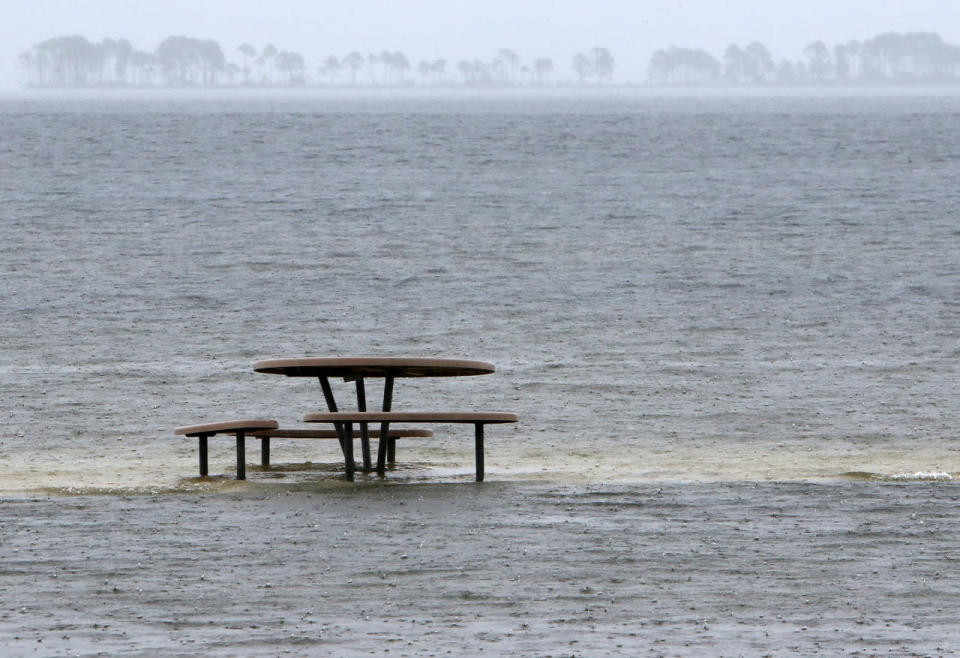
[[129, 474], [931, 476]]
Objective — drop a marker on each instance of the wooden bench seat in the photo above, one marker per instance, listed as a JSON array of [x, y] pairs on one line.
[[238, 428], [346, 419], [282, 433], [265, 429]]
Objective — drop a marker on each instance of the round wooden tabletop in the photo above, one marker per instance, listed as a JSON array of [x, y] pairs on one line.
[[380, 366]]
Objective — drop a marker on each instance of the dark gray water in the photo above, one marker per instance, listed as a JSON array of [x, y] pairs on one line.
[[502, 569], [672, 288]]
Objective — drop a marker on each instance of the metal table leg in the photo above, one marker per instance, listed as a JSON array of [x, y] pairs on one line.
[[346, 439], [364, 432], [384, 445], [348, 456]]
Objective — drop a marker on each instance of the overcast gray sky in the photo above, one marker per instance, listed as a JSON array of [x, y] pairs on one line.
[[474, 29]]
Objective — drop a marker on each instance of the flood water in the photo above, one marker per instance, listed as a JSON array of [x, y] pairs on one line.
[[673, 288], [728, 324]]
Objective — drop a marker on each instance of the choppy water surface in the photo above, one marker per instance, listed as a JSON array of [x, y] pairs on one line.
[[671, 288]]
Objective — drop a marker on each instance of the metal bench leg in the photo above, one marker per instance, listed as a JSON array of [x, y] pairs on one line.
[[241, 456], [203, 455], [478, 449], [265, 452], [392, 451]]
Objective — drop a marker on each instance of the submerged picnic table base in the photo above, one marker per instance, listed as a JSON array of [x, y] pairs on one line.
[[282, 433], [265, 429], [346, 419]]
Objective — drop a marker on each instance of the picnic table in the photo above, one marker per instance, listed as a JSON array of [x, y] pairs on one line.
[[358, 370]]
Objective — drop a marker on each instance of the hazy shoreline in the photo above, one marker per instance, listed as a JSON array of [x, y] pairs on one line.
[[558, 91]]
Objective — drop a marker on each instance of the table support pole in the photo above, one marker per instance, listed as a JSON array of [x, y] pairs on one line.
[[203, 455], [384, 444], [364, 431], [328, 393], [346, 440], [381, 452], [348, 456], [241, 456], [478, 448], [387, 392], [265, 452]]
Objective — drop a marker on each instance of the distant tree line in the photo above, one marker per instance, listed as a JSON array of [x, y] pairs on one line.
[[71, 61], [891, 57], [177, 61]]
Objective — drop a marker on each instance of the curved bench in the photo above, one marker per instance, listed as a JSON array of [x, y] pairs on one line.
[[346, 418], [281, 433], [265, 429], [238, 428]]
